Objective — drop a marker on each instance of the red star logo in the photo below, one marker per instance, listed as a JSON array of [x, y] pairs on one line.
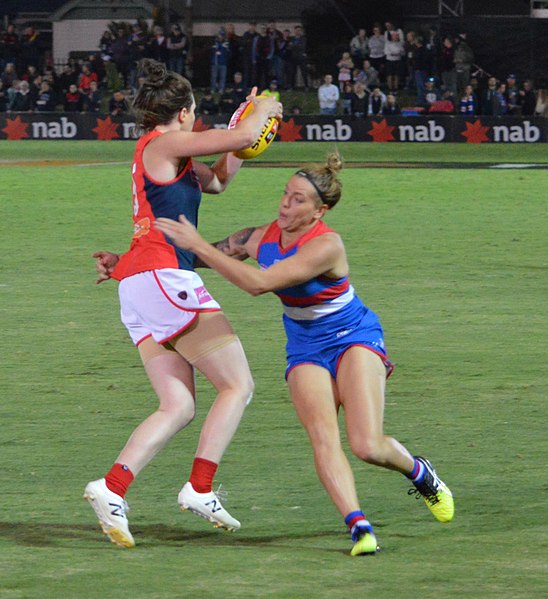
[[199, 125], [106, 129], [475, 132], [289, 131], [381, 131], [15, 128]]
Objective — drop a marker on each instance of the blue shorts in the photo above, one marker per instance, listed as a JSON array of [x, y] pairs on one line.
[[324, 341]]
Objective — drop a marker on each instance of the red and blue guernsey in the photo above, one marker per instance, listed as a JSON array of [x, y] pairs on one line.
[[150, 249], [323, 317]]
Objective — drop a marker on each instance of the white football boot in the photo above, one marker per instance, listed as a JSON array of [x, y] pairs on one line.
[[111, 510], [208, 506]]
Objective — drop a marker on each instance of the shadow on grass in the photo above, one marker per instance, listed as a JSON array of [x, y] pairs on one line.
[[39, 534]]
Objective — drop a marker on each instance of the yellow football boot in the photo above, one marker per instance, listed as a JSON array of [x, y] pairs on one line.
[[365, 542], [435, 492]]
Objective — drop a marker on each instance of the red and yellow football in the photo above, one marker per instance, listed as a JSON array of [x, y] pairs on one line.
[[265, 139]]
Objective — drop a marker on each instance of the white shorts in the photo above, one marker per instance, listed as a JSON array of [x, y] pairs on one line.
[[162, 303]]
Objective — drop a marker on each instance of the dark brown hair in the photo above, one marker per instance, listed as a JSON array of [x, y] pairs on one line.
[[161, 96]]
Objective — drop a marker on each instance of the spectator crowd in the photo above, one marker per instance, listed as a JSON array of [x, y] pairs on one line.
[[376, 71]]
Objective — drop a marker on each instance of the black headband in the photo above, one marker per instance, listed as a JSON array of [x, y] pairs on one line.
[[309, 178]]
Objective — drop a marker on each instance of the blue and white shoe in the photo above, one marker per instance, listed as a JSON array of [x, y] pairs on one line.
[[365, 541]]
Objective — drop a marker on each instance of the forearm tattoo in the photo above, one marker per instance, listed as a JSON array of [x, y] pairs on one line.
[[234, 244]]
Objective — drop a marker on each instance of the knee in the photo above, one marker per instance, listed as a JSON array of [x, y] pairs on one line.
[[181, 414], [369, 450]]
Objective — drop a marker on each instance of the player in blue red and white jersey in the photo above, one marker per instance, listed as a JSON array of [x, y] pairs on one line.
[[335, 349], [172, 319]]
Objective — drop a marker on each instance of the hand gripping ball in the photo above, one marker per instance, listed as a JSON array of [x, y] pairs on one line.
[[265, 139]]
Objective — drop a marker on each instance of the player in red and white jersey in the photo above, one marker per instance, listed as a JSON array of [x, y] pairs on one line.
[[175, 323], [335, 348]]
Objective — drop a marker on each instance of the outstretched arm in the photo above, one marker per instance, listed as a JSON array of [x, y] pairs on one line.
[[235, 245], [323, 255]]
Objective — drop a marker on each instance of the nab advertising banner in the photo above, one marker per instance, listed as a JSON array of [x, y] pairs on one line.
[[437, 129]]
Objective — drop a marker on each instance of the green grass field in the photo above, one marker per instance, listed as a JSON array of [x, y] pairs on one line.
[[453, 261]]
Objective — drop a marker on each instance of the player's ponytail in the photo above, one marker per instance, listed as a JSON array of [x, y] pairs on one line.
[[161, 95]]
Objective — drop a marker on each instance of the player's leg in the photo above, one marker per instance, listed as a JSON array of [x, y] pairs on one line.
[[172, 378], [361, 383], [173, 381], [214, 350], [314, 397], [361, 379]]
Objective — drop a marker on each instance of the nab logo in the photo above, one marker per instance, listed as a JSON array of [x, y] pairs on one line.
[[516, 133], [337, 132], [421, 133], [64, 129]]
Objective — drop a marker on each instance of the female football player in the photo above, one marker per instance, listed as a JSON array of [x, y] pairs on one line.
[[172, 319], [335, 348]]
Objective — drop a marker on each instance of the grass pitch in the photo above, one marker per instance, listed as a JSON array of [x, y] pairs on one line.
[[453, 261]]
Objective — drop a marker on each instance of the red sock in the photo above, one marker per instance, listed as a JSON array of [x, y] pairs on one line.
[[202, 475], [118, 479]]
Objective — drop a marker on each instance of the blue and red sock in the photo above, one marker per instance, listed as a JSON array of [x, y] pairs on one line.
[[417, 474]]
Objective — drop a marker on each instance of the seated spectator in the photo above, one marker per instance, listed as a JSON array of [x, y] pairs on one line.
[[377, 100], [359, 102], [74, 101], [51, 77], [226, 104], [468, 103], [11, 92], [328, 96], [345, 66], [85, 78], [527, 99], [46, 100], [208, 105], [272, 90], [368, 75], [451, 105], [30, 73], [118, 105], [67, 78], [391, 107], [22, 102], [238, 91], [93, 99], [9, 75]]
